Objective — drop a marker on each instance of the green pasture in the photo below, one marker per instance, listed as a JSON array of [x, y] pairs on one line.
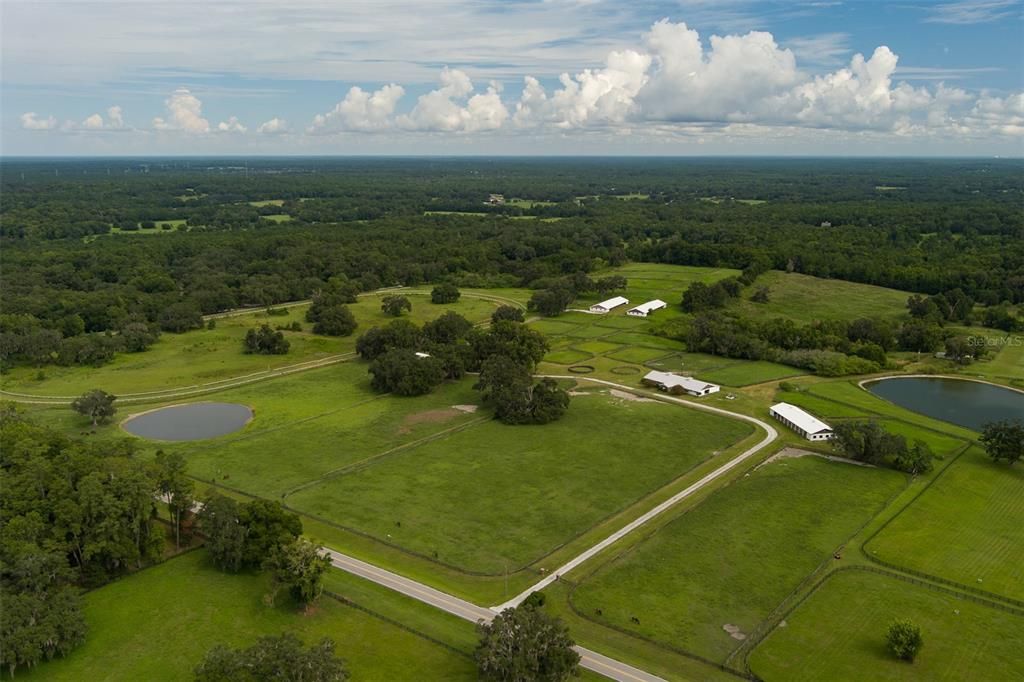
[[726, 371], [803, 299], [965, 527], [267, 202], [158, 625], [277, 217], [199, 357], [494, 497], [839, 634], [732, 559]]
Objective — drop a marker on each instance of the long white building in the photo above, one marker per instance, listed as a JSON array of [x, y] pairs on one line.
[[645, 309], [673, 383], [610, 304], [801, 421]]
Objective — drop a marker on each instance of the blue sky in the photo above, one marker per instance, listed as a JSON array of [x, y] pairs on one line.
[[520, 77]]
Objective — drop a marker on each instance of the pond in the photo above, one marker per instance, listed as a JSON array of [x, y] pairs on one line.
[[970, 404], [192, 421]]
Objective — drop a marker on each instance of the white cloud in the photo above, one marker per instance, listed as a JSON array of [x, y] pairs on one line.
[[232, 125], [184, 113], [31, 121], [275, 126], [1001, 115], [94, 122], [115, 117], [442, 110], [361, 111], [114, 121], [973, 11]]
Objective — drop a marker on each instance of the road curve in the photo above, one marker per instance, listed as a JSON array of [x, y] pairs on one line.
[[591, 660], [771, 435]]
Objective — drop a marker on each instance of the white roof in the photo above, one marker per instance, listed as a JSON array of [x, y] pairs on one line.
[[650, 305], [612, 302], [803, 419], [669, 380]]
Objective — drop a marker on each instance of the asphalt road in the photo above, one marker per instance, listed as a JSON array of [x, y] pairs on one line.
[[591, 660]]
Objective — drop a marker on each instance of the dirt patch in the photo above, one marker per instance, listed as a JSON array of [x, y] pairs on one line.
[[428, 417], [470, 409], [626, 395], [791, 453], [734, 631]]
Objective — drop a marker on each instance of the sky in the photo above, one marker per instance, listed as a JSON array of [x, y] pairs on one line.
[[513, 77]]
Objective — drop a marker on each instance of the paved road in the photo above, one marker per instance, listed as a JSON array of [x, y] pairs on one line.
[[591, 660], [770, 435]]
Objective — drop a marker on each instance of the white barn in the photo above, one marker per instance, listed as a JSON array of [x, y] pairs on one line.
[[610, 304], [801, 421], [673, 383], [645, 309]]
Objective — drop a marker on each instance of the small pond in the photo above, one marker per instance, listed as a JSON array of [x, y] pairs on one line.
[[970, 404], [193, 421]]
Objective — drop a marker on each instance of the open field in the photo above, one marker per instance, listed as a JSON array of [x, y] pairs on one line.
[[189, 607], [277, 217], [493, 496], [736, 556], [839, 634], [804, 299], [267, 202], [965, 527], [205, 355], [726, 371]]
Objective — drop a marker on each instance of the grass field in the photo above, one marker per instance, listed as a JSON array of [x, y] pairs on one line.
[[158, 624], [493, 496], [736, 556], [267, 202], [205, 355], [804, 299], [966, 527], [839, 634], [725, 370]]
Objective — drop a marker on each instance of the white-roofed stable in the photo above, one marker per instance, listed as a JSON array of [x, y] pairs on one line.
[[610, 304], [801, 421], [673, 383], [645, 309]]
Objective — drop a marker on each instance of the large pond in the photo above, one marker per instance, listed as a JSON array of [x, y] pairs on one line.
[[970, 404], [194, 421]]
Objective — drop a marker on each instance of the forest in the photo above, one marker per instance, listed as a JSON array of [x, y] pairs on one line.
[[101, 256]]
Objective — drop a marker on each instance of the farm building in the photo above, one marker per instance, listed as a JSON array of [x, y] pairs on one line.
[[804, 423], [673, 383], [645, 309], [610, 304]]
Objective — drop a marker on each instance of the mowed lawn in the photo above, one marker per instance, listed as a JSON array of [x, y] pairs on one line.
[[731, 560], [158, 624], [967, 527], [803, 298], [494, 496], [839, 634], [313, 423], [208, 355]]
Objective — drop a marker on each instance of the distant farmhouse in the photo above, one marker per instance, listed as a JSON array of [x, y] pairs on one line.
[[645, 309], [804, 423], [677, 385], [612, 303], [496, 200]]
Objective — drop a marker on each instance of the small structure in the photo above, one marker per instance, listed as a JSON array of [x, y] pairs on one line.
[[675, 384], [612, 303], [420, 354], [645, 309], [826, 223], [496, 199], [801, 421]]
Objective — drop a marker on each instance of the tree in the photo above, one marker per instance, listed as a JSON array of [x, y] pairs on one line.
[[175, 488], [268, 527], [225, 535], [138, 336], [915, 460], [181, 317], [610, 284], [445, 293], [97, 405], [960, 349], [548, 402], [265, 341], [509, 388], [508, 313], [394, 305], [514, 340], [904, 639], [550, 302], [336, 320], [402, 372], [1004, 440], [378, 340], [867, 441], [299, 567], [525, 645], [447, 328], [761, 295], [281, 658]]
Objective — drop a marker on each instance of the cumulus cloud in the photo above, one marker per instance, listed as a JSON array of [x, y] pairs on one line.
[[184, 113], [232, 125], [31, 121], [114, 121], [275, 126], [447, 108], [361, 111]]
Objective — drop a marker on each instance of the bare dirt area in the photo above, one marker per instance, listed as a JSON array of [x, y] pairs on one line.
[[432, 417]]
